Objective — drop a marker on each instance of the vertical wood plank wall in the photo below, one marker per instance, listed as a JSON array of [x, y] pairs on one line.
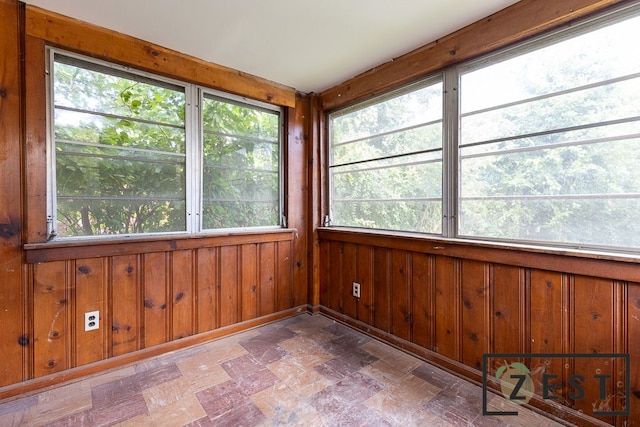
[[152, 298], [13, 293], [454, 308]]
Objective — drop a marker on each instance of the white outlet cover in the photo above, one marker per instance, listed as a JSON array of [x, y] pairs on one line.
[[91, 320], [356, 289]]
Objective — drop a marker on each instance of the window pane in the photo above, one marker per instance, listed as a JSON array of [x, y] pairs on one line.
[[549, 143], [386, 163], [241, 165], [119, 150]]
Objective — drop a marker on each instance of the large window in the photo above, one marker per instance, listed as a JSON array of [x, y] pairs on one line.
[[546, 144], [386, 162], [132, 153]]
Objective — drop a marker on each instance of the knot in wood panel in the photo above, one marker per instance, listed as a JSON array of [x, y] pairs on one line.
[[23, 340], [7, 231]]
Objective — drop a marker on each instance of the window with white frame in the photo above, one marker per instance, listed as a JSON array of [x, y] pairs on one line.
[[132, 153], [545, 145]]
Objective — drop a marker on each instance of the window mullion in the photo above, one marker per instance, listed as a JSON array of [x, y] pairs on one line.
[[51, 153], [193, 147], [450, 153]]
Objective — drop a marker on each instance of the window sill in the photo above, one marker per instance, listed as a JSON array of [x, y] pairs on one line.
[[591, 263], [92, 248]]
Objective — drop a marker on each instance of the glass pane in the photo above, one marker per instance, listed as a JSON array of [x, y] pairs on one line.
[[96, 88], [603, 54], [411, 109], [386, 163], [402, 197], [241, 166], [409, 141], [228, 118], [603, 103], [422, 216], [575, 221], [549, 143], [120, 153], [87, 127], [122, 215]]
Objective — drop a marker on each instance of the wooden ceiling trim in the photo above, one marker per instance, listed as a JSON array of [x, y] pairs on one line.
[[515, 23], [98, 42]]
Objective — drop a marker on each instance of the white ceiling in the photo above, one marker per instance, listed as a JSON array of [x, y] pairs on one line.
[[310, 45]]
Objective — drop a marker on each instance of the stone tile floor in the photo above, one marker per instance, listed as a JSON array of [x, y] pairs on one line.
[[301, 371]]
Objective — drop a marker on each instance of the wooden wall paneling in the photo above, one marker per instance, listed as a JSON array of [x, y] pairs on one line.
[[593, 332], [316, 207], [284, 275], [475, 284], [249, 281], [50, 325], [334, 276], [349, 254], [507, 298], [324, 269], [90, 293], [619, 267], [182, 285], [620, 345], [423, 301], [228, 287], [297, 194], [266, 279], [207, 289], [633, 348], [125, 304], [155, 285], [382, 289], [401, 316], [447, 303], [35, 141], [12, 289], [364, 276], [547, 327]]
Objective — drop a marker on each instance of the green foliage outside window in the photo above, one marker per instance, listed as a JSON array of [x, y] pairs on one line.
[[548, 147], [121, 150]]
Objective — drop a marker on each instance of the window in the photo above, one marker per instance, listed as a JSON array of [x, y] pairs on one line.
[[386, 162], [545, 147], [240, 164], [130, 153], [549, 142]]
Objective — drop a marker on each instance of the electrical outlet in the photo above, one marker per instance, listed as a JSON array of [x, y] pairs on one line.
[[356, 289], [91, 320]]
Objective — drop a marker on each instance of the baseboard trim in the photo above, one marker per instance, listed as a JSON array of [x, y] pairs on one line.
[[40, 384], [554, 411]]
